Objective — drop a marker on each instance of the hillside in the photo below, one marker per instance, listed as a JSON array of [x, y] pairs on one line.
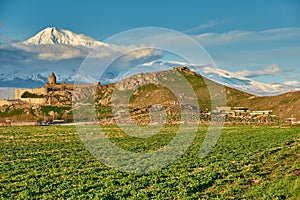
[[284, 105], [148, 93]]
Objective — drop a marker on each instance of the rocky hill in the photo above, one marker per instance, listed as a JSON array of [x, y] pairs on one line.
[[147, 91], [284, 106]]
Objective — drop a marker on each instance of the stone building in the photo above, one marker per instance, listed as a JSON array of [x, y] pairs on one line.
[[39, 91], [48, 93], [52, 79]]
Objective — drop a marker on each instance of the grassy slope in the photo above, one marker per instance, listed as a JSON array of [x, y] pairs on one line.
[[151, 94], [284, 105]]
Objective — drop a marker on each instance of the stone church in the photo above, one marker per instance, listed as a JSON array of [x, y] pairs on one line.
[[52, 88]]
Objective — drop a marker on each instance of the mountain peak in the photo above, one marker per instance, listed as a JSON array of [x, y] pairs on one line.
[[54, 35]]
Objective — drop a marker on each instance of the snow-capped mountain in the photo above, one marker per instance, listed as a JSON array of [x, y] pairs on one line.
[[63, 51], [59, 44], [53, 35]]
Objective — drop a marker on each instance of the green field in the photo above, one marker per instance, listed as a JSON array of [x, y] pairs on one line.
[[247, 163]]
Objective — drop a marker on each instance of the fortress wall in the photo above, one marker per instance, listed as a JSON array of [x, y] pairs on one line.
[[34, 100], [19, 92], [18, 123], [61, 86], [24, 123], [4, 102]]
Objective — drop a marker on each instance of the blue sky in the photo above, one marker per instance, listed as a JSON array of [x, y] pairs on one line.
[[257, 39]]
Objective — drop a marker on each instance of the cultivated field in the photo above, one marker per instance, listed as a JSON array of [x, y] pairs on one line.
[[247, 163]]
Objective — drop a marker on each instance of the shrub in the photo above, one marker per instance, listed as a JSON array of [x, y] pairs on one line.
[[31, 95]]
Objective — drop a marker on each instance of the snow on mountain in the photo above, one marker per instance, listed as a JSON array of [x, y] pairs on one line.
[[53, 35], [230, 79], [54, 44], [59, 44]]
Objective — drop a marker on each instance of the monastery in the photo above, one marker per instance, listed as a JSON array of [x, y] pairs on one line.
[[38, 95]]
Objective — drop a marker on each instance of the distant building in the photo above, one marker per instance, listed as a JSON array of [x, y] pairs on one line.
[[223, 109], [261, 112], [52, 79], [242, 112], [293, 121], [38, 95], [240, 108]]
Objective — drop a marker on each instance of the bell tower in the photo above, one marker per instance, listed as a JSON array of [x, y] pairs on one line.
[[52, 79]]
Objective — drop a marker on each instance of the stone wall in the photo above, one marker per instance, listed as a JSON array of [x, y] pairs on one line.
[[4, 102], [34, 100], [19, 92], [18, 123]]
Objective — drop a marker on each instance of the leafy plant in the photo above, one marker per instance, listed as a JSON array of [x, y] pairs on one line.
[[57, 109], [248, 162]]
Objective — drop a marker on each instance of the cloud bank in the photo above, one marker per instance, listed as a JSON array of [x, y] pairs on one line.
[[247, 37], [238, 49], [292, 83], [271, 70]]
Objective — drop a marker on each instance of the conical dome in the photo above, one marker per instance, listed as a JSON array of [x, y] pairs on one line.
[[52, 79]]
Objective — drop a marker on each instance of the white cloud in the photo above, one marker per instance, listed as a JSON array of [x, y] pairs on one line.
[[55, 44], [238, 36], [293, 83], [55, 52], [249, 51], [271, 70], [209, 24], [141, 54]]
